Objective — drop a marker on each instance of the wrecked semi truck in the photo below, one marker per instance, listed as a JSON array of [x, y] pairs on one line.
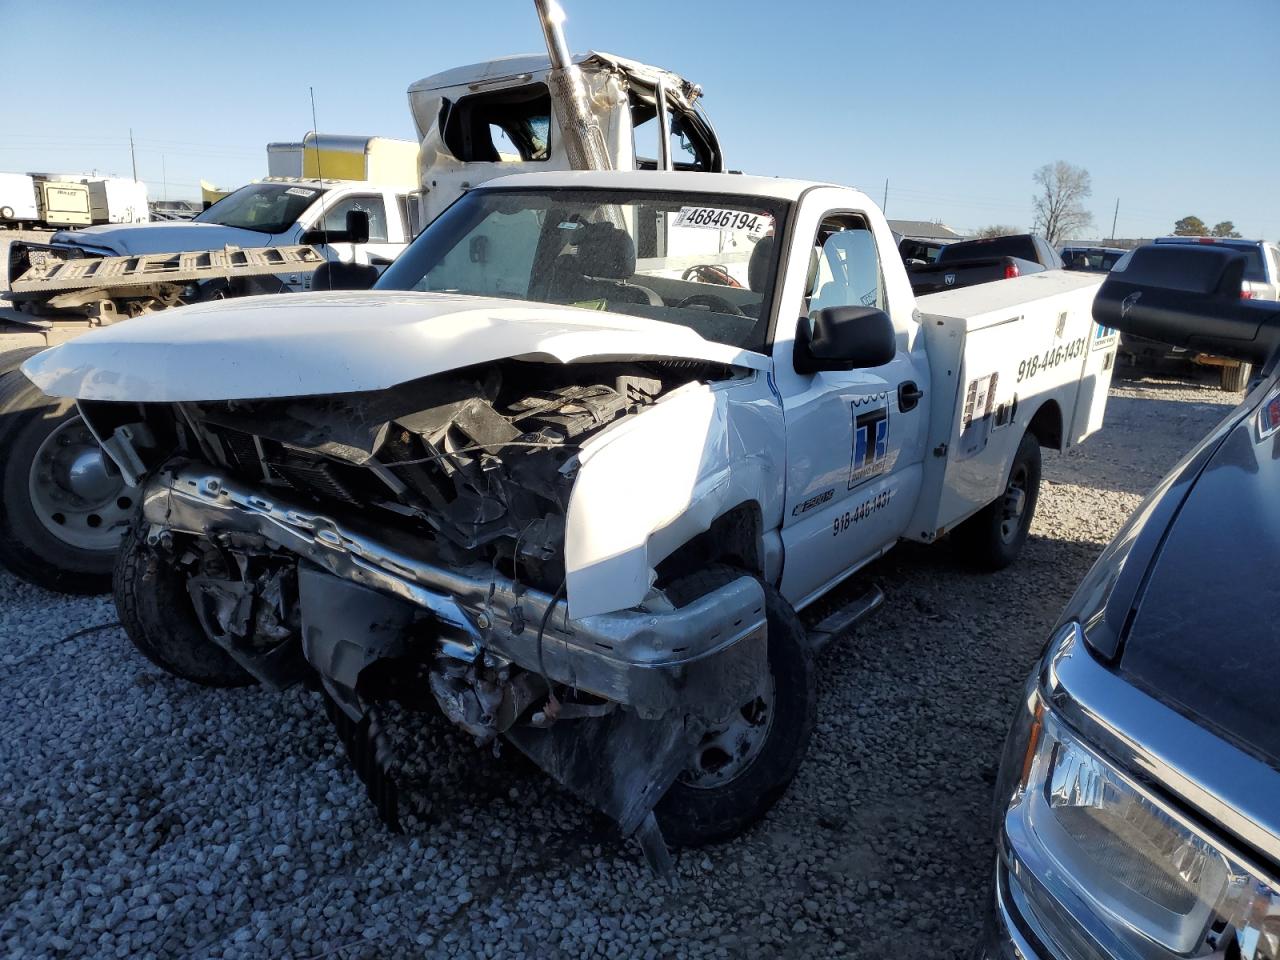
[[574, 489], [63, 507]]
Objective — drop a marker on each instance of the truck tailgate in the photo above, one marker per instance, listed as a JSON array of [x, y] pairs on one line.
[[1000, 353]]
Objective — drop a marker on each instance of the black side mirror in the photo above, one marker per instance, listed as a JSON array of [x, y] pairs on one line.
[[357, 226], [844, 338], [1188, 295], [357, 231]]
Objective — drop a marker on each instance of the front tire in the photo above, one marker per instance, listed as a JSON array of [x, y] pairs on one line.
[[994, 536], [159, 618], [63, 507], [719, 795]]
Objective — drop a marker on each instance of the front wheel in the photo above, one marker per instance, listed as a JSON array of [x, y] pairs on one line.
[[63, 505], [993, 537], [739, 770], [159, 618]]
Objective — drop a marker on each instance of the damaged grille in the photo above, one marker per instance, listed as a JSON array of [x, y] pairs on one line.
[[480, 461]]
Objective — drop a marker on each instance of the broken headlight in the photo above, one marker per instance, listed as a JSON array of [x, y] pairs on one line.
[[1110, 869]]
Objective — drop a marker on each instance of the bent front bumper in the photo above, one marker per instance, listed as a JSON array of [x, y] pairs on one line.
[[705, 658]]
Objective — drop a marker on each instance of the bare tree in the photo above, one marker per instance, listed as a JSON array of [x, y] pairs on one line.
[[1059, 207], [995, 230]]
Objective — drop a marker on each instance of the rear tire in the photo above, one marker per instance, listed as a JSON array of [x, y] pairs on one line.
[[694, 815], [993, 537], [158, 617], [1235, 377], [61, 512]]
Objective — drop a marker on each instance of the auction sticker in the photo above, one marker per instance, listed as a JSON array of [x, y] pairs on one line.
[[715, 218], [300, 192]]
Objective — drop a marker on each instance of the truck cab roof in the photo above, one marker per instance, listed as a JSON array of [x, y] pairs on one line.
[[528, 65], [674, 181]]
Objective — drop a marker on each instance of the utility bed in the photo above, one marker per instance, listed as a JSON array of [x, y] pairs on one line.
[[994, 348]]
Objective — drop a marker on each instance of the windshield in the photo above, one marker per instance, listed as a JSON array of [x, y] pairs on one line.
[[265, 207], [700, 260]]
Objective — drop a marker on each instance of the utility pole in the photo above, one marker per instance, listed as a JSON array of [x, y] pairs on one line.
[[132, 159], [164, 177], [1114, 217], [885, 205]]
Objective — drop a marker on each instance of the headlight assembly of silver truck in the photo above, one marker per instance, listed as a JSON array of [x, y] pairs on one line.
[[1110, 869]]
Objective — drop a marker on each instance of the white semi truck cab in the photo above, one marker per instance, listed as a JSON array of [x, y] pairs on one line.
[[574, 466]]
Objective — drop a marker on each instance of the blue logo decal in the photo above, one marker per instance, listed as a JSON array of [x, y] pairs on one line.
[[870, 445]]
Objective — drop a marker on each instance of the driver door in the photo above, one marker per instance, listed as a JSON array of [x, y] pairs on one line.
[[854, 438]]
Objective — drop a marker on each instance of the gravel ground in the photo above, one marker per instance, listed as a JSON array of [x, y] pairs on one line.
[[142, 816]]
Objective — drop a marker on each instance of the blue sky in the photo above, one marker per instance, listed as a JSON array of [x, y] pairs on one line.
[[1172, 105]]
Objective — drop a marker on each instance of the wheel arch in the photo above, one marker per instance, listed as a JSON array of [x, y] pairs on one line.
[[735, 538], [1046, 425]]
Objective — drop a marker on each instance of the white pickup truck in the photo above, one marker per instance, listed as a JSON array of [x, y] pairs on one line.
[[278, 211], [574, 481]]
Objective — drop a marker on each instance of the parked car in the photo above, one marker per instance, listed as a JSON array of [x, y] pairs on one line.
[[1261, 281], [972, 262], [1136, 805], [1091, 259], [577, 493]]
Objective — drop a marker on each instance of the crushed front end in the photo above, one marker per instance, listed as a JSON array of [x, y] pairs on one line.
[[408, 544]]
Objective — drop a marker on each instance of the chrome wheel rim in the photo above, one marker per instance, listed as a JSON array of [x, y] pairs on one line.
[[727, 750], [75, 491], [1014, 504]]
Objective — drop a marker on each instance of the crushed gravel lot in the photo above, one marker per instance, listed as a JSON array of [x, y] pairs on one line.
[[144, 816]]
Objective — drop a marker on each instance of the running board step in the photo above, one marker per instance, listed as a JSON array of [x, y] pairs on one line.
[[845, 619]]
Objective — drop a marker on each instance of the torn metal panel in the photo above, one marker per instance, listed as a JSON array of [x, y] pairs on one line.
[[371, 756], [620, 763], [346, 627]]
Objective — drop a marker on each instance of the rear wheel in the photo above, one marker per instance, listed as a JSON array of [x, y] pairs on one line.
[[741, 768], [63, 506], [1235, 376], [993, 537], [158, 616]]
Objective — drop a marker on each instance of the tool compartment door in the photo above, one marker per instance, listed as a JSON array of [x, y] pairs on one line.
[[1095, 382]]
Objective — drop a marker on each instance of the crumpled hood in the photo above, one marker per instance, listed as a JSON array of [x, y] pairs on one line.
[[289, 345], [1206, 638], [139, 238]]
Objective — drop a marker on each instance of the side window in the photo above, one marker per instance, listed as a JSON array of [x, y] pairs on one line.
[[500, 127], [689, 149], [335, 216], [847, 270]]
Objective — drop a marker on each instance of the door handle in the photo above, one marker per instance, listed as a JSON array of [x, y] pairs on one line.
[[908, 395]]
